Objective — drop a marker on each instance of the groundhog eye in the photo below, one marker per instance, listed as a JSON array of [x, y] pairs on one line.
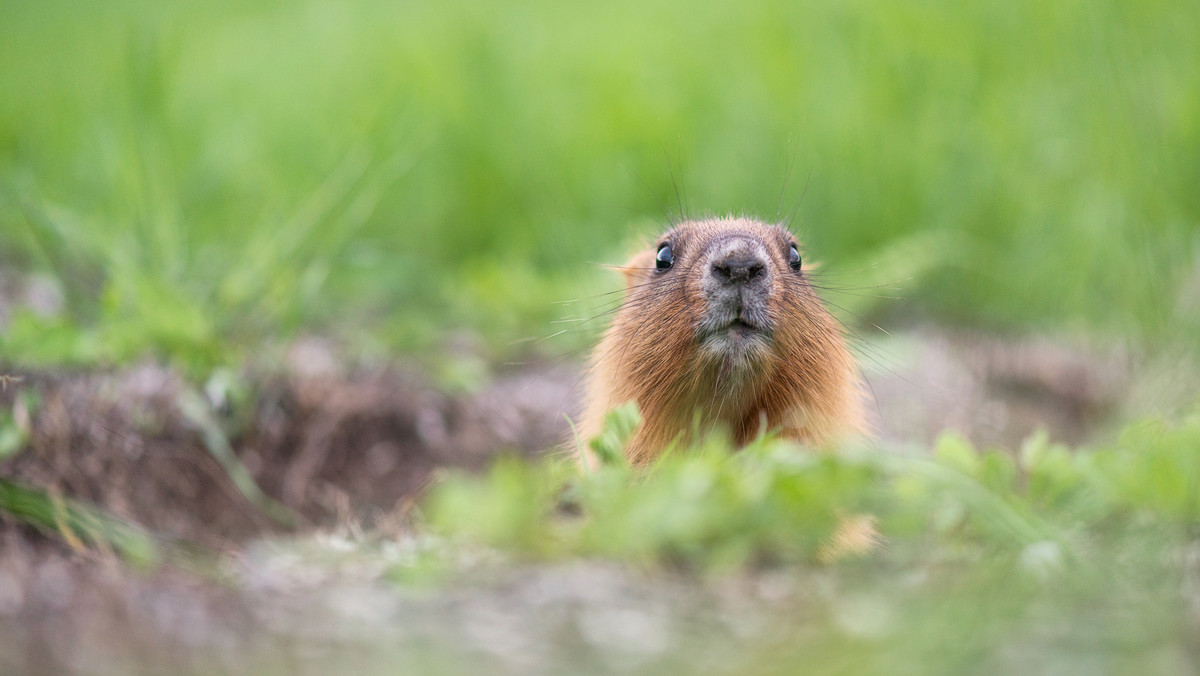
[[794, 257], [665, 259]]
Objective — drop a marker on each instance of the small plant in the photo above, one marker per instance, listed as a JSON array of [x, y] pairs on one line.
[[15, 422], [619, 426]]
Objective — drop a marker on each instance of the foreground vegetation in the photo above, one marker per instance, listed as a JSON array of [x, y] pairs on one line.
[[773, 503], [987, 562], [983, 560]]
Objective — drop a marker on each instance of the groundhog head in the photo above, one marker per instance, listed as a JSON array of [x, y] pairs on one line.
[[721, 328]]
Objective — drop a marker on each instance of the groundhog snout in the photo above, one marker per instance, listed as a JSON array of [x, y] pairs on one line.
[[737, 270], [737, 261], [737, 286]]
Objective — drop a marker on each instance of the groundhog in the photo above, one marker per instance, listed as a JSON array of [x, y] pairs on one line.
[[721, 329]]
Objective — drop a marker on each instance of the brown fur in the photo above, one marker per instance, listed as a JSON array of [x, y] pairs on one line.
[[804, 384]]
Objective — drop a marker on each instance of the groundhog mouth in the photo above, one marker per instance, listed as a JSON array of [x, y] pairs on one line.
[[742, 325], [738, 338], [718, 326]]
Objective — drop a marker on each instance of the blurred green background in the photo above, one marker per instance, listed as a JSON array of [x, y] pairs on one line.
[[202, 182], [201, 178]]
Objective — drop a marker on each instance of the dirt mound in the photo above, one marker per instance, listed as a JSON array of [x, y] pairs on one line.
[[146, 446]]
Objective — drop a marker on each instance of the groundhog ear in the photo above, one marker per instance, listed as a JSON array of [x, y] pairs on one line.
[[635, 270]]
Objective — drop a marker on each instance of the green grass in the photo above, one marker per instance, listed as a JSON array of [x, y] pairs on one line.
[[988, 559], [79, 524], [770, 502], [203, 178]]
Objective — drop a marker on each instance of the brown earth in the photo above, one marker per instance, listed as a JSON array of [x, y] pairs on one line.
[[324, 446]]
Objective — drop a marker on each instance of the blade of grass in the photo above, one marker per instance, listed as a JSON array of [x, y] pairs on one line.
[[198, 412], [78, 523]]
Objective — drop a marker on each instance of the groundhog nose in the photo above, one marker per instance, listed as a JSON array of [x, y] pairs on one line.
[[738, 268]]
